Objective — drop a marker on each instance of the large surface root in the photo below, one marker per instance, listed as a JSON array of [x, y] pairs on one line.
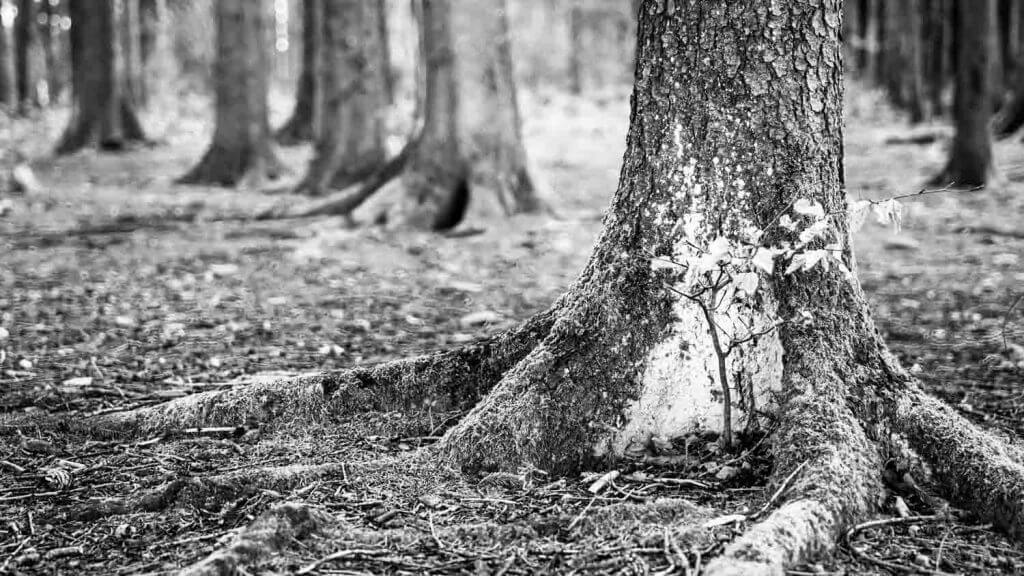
[[836, 482], [439, 383], [979, 470]]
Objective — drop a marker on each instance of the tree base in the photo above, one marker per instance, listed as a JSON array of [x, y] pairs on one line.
[[230, 167], [93, 130]]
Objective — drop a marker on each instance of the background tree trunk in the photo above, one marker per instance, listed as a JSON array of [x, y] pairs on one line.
[[938, 38], [470, 154], [575, 47], [26, 54], [242, 150], [8, 76], [353, 97], [131, 40], [300, 126], [158, 66], [103, 114], [970, 161]]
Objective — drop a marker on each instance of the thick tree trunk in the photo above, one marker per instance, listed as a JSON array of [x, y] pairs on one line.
[[8, 76], [103, 114], [970, 161], [938, 37], [353, 80], [300, 125], [242, 151]]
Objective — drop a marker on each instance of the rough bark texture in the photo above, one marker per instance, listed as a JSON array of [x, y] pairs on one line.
[[300, 125], [970, 160], [353, 99], [103, 114], [8, 77], [470, 155], [242, 151]]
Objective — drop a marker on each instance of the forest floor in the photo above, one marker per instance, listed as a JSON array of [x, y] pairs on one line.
[[120, 289]]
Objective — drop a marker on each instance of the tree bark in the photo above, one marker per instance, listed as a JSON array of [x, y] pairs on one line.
[[8, 76], [353, 99], [158, 69], [241, 151], [938, 37], [970, 162], [300, 126], [103, 113]]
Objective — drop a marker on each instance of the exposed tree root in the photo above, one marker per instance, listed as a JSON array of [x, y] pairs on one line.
[[440, 382], [272, 532], [977, 469], [248, 166], [344, 202], [839, 485]]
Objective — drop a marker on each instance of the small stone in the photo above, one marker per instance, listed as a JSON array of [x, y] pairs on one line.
[[479, 319], [922, 560], [4, 334], [431, 500]]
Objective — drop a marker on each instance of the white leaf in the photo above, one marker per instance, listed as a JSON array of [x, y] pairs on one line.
[[810, 208], [747, 282], [889, 211], [787, 222], [814, 231], [765, 260], [658, 264], [813, 257], [859, 214], [795, 264], [719, 248]]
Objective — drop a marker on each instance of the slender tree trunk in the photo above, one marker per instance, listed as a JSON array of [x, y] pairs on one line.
[[158, 68], [54, 86], [8, 75], [938, 38], [970, 161], [384, 32], [103, 113], [131, 23], [26, 46], [242, 151], [300, 126], [575, 47], [853, 38], [872, 39], [353, 83]]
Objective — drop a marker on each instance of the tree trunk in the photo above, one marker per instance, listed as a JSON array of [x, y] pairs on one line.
[[132, 47], [938, 38], [54, 86], [902, 73], [305, 116], [158, 69], [469, 157], [241, 151], [970, 162], [353, 99], [8, 77], [872, 41], [575, 47], [103, 113], [26, 47]]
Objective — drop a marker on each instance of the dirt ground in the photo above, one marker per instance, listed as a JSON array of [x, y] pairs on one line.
[[120, 289]]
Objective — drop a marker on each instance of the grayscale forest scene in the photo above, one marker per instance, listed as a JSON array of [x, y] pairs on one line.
[[512, 287]]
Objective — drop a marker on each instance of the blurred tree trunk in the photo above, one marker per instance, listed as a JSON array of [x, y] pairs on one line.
[[384, 32], [132, 45], [103, 113], [26, 57], [8, 76], [156, 53], [853, 38], [54, 82], [352, 97], [938, 37], [575, 47], [970, 161], [470, 153], [242, 150], [902, 69], [300, 126], [872, 40]]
